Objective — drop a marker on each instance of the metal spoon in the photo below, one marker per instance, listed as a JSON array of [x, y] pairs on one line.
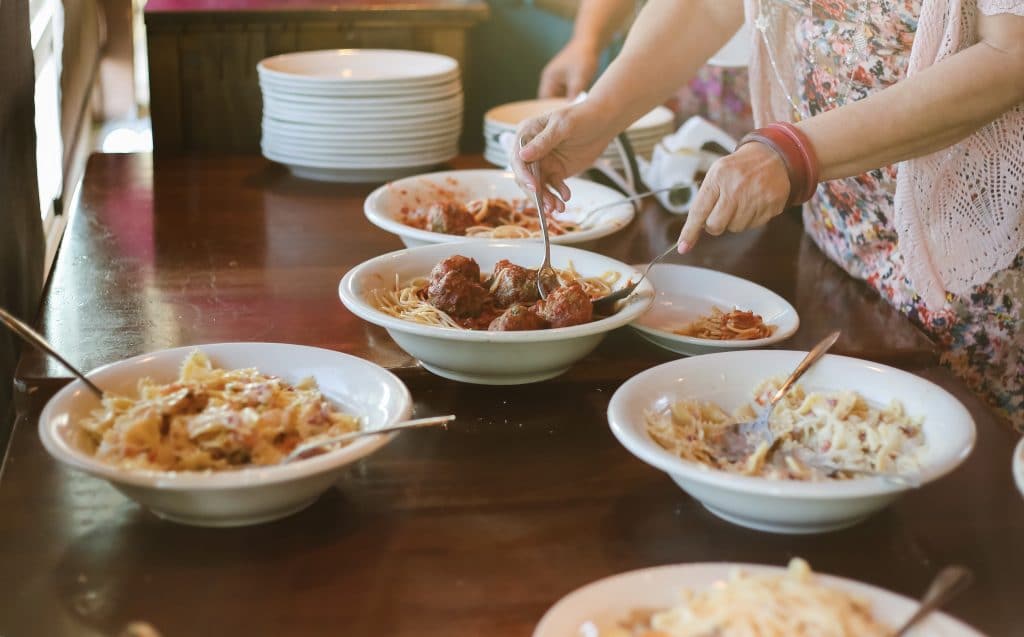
[[36, 340], [545, 273], [606, 304], [740, 438], [305, 448], [950, 582]]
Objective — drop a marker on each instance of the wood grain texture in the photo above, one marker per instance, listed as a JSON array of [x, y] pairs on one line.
[[472, 531]]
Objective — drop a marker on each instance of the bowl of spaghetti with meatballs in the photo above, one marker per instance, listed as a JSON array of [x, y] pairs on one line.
[[487, 205], [472, 312]]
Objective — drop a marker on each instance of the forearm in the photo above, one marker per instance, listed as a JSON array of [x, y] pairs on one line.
[[668, 43], [923, 114], [597, 22]]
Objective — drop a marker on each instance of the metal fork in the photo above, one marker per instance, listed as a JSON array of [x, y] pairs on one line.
[[545, 273]]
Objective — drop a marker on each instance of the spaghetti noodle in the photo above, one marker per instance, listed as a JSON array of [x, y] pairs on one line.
[[493, 218], [736, 325], [837, 428], [209, 419], [794, 604]]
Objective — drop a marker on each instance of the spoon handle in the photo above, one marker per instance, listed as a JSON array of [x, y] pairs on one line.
[[618, 202], [812, 357], [36, 339], [950, 582], [352, 435]]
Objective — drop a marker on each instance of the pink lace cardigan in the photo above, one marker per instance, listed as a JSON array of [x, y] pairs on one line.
[[959, 212]]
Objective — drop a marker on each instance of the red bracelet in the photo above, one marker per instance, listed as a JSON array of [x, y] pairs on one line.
[[796, 152]]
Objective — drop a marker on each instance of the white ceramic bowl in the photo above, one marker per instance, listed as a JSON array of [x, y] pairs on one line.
[[247, 496], [780, 506], [684, 293], [600, 605], [479, 356], [383, 207], [1018, 466]]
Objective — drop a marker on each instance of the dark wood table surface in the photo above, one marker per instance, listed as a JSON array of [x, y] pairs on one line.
[[472, 531]]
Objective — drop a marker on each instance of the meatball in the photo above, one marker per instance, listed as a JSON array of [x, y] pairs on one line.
[[463, 266], [449, 218], [565, 306], [457, 295], [511, 284], [517, 318]]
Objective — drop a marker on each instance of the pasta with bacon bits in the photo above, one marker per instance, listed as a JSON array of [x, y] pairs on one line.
[[209, 419], [837, 428], [793, 604]]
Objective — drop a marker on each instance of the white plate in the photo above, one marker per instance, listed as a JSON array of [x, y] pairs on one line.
[[685, 293], [601, 604], [480, 356], [441, 91], [393, 130], [310, 160], [353, 175], [380, 120], [360, 148], [249, 496], [450, 104], [1018, 466], [510, 115], [358, 91], [366, 66], [384, 206], [787, 506]]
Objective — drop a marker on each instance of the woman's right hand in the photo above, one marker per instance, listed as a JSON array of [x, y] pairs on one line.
[[570, 72], [564, 143]]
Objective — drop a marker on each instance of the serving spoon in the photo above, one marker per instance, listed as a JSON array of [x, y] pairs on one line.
[[36, 340], [606, 304], [545, 273], [950, 582], [305, 448]]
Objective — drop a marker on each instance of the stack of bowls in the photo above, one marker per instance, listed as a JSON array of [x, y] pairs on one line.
[[501, 121], [360, 115]]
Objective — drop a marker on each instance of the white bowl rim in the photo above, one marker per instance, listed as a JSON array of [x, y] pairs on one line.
[[834, 581], [654, 455], [777, 337], [392, 225], [641, 300], [448, 64], [1017, 466], [253, 477]]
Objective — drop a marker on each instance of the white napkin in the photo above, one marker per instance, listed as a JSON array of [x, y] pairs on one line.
[[678, 158]]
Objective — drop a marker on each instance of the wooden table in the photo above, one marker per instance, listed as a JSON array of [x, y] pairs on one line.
[[471, 531], [205, 95]]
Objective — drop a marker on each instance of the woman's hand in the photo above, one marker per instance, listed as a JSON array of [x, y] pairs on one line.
[[563, 143], [741, 191], [569, 73]]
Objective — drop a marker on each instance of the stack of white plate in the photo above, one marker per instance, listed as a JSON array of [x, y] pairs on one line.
[[360, 115], [644, 134]]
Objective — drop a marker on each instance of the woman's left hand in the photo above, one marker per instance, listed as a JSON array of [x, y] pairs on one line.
[[741, 191]]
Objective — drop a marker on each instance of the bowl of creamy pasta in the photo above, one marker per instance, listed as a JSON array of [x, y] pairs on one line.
[[465, 310], [486, 205], [847, 421], [197, 434], [736, 600]]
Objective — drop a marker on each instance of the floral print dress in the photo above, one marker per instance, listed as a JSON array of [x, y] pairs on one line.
[[845, 50]]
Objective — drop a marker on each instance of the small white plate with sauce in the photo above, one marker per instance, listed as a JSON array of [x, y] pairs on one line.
[[684, 293]]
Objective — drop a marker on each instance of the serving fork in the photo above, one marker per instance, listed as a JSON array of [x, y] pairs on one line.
[[546, 275]]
